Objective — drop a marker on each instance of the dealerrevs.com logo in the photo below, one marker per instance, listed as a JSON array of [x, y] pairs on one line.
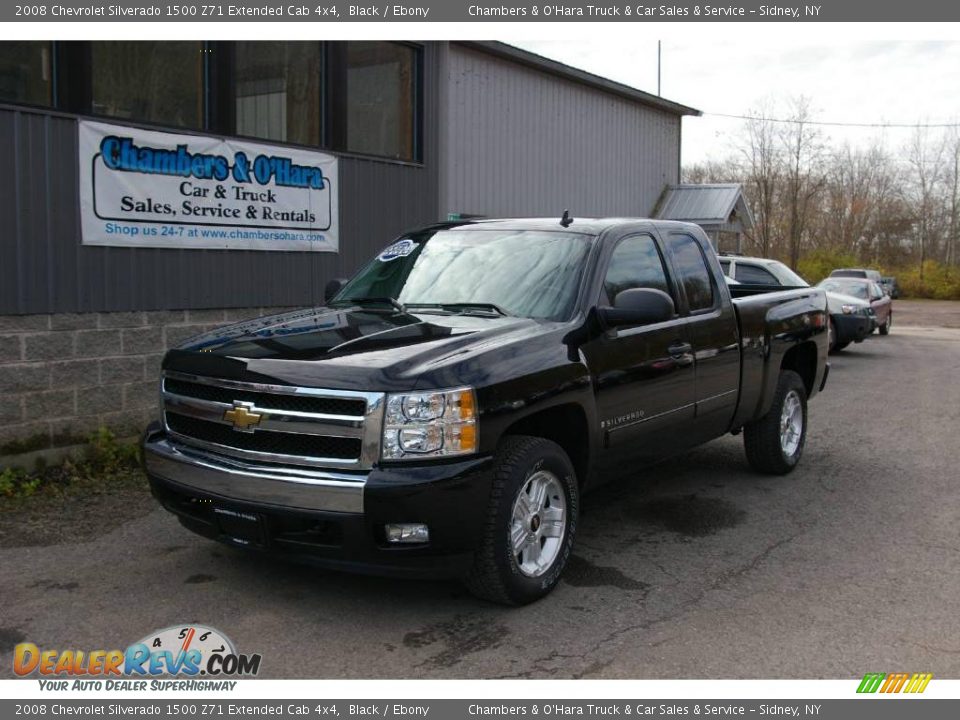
[[180, 651]]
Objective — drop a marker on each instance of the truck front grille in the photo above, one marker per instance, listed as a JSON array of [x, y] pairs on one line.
[[321, 405], [265, 441], [274, 423]]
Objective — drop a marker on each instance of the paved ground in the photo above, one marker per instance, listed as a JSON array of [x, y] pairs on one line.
[[697, 568], [928, 313]]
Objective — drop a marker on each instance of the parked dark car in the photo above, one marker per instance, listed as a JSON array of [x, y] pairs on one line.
[[890, 286], [446, 409], [880, 302], [862, 273], [851, 319]]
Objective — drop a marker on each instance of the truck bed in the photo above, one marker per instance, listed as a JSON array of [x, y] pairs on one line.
[[772, 320]]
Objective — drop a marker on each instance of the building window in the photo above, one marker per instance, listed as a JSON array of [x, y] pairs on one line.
[[155, 82], [363, 97], [278, 91], [26, 74], [381, 99]]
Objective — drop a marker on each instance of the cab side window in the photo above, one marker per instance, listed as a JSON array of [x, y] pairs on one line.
[[692, 271], [635, 263]]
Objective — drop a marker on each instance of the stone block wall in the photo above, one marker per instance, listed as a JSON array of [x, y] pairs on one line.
[[63, 376]]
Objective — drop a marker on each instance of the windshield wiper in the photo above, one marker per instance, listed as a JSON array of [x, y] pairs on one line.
[[376, 301], [463, 307]]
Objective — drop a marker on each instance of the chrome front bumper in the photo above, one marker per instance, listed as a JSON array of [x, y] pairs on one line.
[[230, 478]]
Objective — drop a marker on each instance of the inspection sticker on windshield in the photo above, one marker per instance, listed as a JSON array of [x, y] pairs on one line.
[[399, 249]]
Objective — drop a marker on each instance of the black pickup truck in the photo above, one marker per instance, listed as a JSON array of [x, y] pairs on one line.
[[447, 408]]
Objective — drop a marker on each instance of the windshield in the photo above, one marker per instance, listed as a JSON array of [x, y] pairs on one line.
[[787, 276], [534, 274], [846, 287]]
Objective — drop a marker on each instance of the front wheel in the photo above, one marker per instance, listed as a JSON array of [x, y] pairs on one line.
[[774, 443], [531, 523]]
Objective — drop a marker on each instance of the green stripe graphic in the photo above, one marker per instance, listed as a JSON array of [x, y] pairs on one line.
[[871, 682]]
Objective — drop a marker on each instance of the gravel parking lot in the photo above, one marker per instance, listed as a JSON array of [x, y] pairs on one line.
[[695, 568]]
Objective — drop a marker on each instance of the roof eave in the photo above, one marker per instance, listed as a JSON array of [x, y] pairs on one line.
[[538, 62]]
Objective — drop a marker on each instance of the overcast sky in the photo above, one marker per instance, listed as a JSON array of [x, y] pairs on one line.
[[862, 82]]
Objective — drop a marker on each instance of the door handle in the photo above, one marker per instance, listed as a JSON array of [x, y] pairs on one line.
[[680, 348]]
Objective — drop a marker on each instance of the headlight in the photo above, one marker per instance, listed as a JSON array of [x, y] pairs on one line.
[[850, 309], [431, 424]]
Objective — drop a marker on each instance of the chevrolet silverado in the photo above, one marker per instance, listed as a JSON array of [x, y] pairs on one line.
[[446, 408]]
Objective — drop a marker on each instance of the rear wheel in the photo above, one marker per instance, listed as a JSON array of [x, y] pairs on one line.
[[774, 443], [831, 335], [888, 323], [531, 523]]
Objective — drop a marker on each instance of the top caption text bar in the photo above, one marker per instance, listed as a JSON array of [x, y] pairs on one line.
[[326, 11]]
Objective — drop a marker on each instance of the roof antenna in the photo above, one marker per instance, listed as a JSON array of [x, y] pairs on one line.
[[566, 221]]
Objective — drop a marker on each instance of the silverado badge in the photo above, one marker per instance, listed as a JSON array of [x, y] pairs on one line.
[[242, 416]]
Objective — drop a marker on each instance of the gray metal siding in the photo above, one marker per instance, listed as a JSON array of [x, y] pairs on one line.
[[44, 268], [519, 141]]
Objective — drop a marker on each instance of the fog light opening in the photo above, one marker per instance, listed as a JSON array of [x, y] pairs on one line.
[[405, 533]]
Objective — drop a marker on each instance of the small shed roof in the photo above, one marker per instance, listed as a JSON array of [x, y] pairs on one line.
[[704, 204]]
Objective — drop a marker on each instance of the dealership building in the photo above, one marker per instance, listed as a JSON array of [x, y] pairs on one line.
[[154, 190]]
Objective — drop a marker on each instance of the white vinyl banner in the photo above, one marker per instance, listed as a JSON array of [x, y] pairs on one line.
[[142, 188]]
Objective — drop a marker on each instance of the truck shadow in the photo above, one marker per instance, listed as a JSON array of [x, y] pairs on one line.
[[674, 499], [679, 495]]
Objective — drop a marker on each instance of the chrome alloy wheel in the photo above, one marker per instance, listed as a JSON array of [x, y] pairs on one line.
[[538, 523], [791, 423]]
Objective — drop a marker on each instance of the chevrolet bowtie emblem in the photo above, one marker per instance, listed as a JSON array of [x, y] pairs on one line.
[[242, 416]]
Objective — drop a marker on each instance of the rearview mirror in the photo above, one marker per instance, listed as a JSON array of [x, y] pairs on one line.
[[638, 306], [332, 288]]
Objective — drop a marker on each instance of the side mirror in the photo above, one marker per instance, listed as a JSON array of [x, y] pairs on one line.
[[638, 306], [332, 288]]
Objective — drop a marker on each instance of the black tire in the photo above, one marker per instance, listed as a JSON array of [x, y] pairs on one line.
[[832, 335], [761, 439], [496, 574], [838, 347], [885, 328]]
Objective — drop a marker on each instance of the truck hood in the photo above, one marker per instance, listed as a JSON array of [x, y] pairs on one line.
[[350, 348]]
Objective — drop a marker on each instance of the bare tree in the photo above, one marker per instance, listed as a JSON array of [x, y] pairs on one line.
[[805, 172], [712, 171], [763, 164], [891, 218], [887, 208], [925, 160], [953, 197], [847, 204]]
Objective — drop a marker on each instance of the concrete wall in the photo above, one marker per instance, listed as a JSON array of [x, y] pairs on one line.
[[63, 375], [519, 141]]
